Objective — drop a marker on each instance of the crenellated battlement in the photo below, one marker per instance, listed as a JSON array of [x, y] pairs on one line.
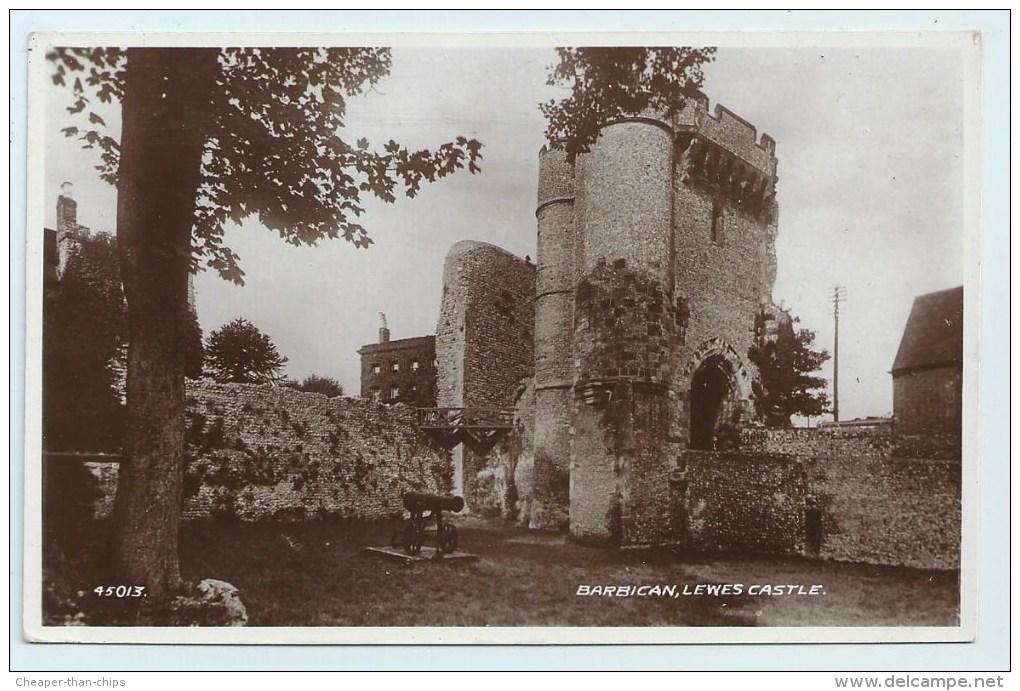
[[728, 130]]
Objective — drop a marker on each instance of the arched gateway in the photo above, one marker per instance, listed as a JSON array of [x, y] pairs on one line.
[[719, 394]]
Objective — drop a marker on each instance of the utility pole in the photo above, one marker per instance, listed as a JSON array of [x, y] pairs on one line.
[[838, 296]]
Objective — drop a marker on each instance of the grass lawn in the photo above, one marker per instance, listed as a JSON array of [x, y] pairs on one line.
[[317, 574]]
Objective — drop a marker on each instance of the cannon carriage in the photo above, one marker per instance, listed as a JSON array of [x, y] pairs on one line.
[[412, 536]]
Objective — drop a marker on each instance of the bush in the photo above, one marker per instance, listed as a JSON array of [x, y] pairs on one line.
[[327, 386]]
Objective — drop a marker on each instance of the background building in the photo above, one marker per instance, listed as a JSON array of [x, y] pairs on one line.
[[928, 370], [401, 371]]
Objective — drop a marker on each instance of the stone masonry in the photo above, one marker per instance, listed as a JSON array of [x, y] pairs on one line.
[[260, 452], [401, 371], [832, 493], [656, 257], [484, 342], [656, 249]]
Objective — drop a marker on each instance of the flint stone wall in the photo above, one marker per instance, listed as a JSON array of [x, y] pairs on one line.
[[485, 348], [485, 335], [882, 438], [839, 494], [260, 452], [501, 484]]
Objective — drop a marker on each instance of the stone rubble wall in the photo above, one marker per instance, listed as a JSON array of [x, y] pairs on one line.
[[262, 452], [741, 502], [881, 439], [503, 479], [485, 347], [889, 511], [865, 442], [869, 505], [485, 336]]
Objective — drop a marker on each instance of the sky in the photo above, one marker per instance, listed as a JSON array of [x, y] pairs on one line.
[[870, 145]]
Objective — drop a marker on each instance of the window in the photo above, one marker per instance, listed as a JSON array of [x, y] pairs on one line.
[[414, 365], [718, 222], [396, 367], [376, 369], [376, 394], [394, 393]]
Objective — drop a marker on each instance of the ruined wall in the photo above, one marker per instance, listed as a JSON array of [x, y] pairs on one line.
[[871, 442], [878, 439], [485, 347], [837, 494], [502, 485], [485, 335], [742, 502], [259, 452], [890, 511]]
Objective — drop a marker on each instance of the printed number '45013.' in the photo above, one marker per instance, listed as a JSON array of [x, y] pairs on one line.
[[119, 590]]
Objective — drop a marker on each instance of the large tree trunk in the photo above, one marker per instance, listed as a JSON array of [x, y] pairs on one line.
[[166, 106]]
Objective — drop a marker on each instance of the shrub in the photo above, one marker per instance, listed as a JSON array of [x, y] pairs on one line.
[[327, 386]]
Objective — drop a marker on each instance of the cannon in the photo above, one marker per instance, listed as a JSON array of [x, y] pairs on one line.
[[412, 536]]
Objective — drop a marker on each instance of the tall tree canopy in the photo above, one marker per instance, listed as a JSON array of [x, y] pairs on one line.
[[786, 362], [607, 83], [211, 135], [238, 352], [272, 125]]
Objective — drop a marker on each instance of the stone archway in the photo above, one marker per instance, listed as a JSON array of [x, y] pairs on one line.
[[719, 392], [710, 389]]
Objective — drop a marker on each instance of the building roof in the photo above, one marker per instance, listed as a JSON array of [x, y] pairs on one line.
[[400, 344], [933, 336]]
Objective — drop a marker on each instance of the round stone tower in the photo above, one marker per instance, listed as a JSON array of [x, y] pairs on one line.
[[656, 259], [625, 322], [625, 197], [554, 318]]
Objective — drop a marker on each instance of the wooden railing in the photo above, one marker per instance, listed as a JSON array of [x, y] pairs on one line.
[[479, 428]]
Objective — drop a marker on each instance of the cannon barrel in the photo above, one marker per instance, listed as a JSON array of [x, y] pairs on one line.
[[418, 502]]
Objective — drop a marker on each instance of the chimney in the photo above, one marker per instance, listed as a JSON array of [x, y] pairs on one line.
[[384, 332], [67, 211]]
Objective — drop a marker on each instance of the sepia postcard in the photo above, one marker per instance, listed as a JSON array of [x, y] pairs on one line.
[[502, 338]]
